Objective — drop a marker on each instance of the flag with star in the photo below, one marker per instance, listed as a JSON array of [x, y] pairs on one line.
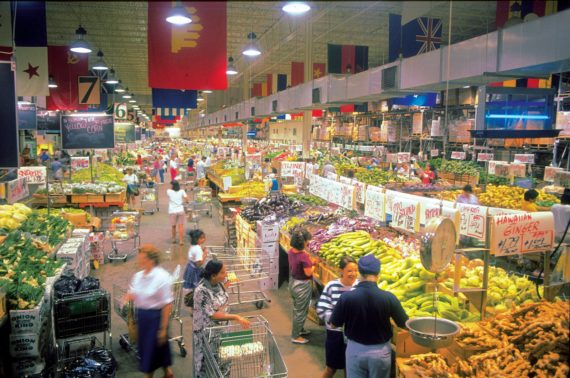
[[32, 71]]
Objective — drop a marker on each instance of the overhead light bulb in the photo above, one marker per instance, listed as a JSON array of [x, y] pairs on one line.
[[127, 95], [178, 16], [111, 79], [251, 48], [100, 64], [51, 82], [296, 7], [132, 100], [80, 46], [119, 88], [200, 98], [207, 91], [231, 70]]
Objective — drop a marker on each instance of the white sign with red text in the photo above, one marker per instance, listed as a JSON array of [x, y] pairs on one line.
[[375, 205], [34, 175], [473, 222], [522, 233], [405, 215]]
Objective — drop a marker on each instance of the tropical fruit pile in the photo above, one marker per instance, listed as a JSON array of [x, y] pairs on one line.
[[511, 197]]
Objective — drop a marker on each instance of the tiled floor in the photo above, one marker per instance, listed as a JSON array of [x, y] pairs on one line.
[[301, 360]]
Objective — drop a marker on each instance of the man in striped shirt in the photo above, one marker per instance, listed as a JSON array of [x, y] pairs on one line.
[[335, 346]]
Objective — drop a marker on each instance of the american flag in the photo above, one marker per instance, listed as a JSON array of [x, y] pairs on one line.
[[430, 28]]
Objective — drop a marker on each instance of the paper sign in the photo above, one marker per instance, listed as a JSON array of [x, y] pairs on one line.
[[375, 205], [481, 156], [79, 162], [429, 208], [417, 123], [524, 158], [345, 180], [340, 194], [331, 176], [360, 189], [434, 153], [503, 170], [522, 233], [518, 170], [226, 182], [454, 215], [403, 157], [549, 173], [473, 220], [17, 189], [391, 158], [405, 215], [458, 155], [33, 175], [294, 169], [562, 179]]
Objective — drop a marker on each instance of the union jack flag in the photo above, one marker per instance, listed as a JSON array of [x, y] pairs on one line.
[[416, 37], [430, 36]]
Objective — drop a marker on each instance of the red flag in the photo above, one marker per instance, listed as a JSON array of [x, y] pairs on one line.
[[65, 66], [5, 54], [347, 108], [191, 56], [319, 70], [297, 73], [317, 113], [256, 90], [269, 83]]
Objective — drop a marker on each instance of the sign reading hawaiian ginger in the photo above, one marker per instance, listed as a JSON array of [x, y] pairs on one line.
[[522, 233], [473, 221]]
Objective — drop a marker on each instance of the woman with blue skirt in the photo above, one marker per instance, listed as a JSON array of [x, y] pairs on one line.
[[151, 293], [196, 258]]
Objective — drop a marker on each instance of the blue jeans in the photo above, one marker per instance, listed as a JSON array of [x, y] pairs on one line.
[[161, 173], [368, 361]]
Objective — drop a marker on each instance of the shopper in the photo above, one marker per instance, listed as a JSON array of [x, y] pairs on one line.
[[529, 202], [132, 182], [176, 199], [428, 175], [328, 168], [201, 169], [173, 168], [151, 293], [162, 170], [335, 347], [467, 196], [57, 169], [365, 314], [196, 259], [156, 170], [139, 161], [191, 164], [44, 157], [275, 185], [561, 214], [301, 269], [210, 309]]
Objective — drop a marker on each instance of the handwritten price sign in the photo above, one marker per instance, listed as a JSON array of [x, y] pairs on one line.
[[79, 162], [524, 158], [429, 208], [473, 221], [522, 233], [360, 189], [458, 155], [481, 156], [33, 175], [405, 215], [293, 169], [375, 205]]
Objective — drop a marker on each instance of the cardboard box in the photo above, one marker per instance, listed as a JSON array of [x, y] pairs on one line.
[[269, 283], [405, 345], [28, 321], [271, 248], [29, 345], [28, 367], [268, 232]]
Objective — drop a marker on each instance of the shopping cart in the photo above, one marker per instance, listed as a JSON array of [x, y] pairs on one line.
[[122, 309], [202, 200], [249, 272], [231, 351], [192, 217], [71, 359], [149, 199], [124, 228]]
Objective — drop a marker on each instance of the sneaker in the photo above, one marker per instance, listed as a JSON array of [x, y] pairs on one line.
[[173, 241], [304, 332], [299, 340]]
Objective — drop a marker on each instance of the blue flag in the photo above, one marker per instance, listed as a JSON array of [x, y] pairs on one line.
[[174, 98], [416, 37], [30, 23]]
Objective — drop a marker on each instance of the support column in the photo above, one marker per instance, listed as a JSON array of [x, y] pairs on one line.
[[246, 96], [307, 114]]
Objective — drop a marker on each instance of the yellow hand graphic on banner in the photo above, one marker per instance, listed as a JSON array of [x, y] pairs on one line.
[[186, 36]]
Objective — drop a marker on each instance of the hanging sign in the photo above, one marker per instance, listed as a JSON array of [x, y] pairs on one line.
[[87, 131], [48, 121], [518, 170], [9, 155], [434, 153], [473, 220], [17, 189], [120, 110], [89, 90], [522, 233], [79, 162], [550, 172], [375, 205], [458, 155], [405, 215], [417, 123], [524, 158], [33, 175], [27, 117], [403, 157], [124, 132], [482, 156]]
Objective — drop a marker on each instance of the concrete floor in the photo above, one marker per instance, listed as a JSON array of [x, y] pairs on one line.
[[301, 360]]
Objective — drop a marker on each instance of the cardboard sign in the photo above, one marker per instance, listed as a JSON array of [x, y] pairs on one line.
[[550, 172], [375, 205], [482, 156], [391, 158], [562, 178], [405, 215], [87, 131], [89, 90], [226, 182], [429, 208], [434, 153], [33, 175], [309, 170], [345, 180], [524, 158], [17, 189], [403, 157], [340, 194], [454, 215], [417, 123], [522, 233], [331, 176], [503, 170], [458, 155], [79, 162], [473, 222]]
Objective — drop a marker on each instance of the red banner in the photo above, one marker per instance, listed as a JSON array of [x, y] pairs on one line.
[[65, 66], [297, 73], [191, 56]]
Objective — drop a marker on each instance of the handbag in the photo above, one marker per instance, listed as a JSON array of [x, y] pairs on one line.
[[133, 189], [189, 299], [132, 324]]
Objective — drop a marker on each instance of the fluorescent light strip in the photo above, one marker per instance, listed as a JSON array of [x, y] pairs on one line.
[[517, 116]]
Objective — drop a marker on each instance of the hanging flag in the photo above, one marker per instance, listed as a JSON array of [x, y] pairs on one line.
[[256, 90], [32, 71], [9, 141], [65, 67], [418, 36], [174, 98], [319, 70], [347, 58], [30, 21], [170, 113], [5, 25], [264, 89], [189, 56], [297, 73], [281, 82]]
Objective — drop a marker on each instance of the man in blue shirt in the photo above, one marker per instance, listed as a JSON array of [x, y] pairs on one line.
[[365, 313], [44, 156], [57, 169]]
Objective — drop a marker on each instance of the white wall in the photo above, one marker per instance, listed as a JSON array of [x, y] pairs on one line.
[[286, 131]]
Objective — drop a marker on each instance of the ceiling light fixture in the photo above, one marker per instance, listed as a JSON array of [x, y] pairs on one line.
[[231, 70], [127, 95], [100, 64], [119, 88], [466, 86], [296, 7], [251, 48], [80, 46], [207, 91], [178, 15], [111, 79], [200, 98], [132, 100], [51, 82]]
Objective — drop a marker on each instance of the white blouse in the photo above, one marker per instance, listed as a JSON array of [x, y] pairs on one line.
[[152, 291]]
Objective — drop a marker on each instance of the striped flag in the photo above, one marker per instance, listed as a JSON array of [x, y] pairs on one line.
[[5, 25], [341, 58]]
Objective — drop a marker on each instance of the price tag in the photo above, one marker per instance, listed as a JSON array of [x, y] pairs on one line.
[[227, 182], [518, 170], [79, 162], [375, 205], [403, 157], [458, 155], [429, 208], [550, 172], [522, 233], [33, 175], [360, 189], [434, 153], [524, 158], [473, 221], [482, 156], [405, 215], [562, 179]]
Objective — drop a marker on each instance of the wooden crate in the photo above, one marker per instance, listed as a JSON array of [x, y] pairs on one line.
[[115, 197], [327, 273], [79, 198]]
